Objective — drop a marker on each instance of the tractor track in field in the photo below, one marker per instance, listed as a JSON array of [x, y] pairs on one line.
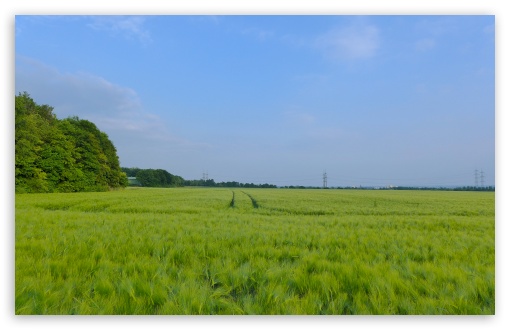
[[233, 201], [253, 200]]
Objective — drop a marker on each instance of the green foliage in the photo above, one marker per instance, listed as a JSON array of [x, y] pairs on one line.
[[229, 184], [211, 251], [154, 178], [130, 171], [53, 155]]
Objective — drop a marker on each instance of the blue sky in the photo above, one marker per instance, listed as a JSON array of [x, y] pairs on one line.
[[371, 100]]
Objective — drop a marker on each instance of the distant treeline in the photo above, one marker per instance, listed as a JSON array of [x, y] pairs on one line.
[[61, 155], [464, 188], [230, 184], [154, 178], [162, 178]]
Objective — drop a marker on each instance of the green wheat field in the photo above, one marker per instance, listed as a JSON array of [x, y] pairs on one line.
[[255, 251]]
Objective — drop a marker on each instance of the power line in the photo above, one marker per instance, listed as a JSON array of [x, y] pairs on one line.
[[436, 180]]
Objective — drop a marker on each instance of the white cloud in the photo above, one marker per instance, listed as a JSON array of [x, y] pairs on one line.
[[358, 41], [130, 27]]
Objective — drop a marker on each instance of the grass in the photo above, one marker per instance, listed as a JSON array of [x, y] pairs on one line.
[[257, 251]]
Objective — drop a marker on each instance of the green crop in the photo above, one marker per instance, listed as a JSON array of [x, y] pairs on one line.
[[255, 251]]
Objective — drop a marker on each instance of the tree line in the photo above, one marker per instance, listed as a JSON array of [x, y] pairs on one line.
[[154, 178], [462, 188], [162, 178], [230, 184], [61, 155]]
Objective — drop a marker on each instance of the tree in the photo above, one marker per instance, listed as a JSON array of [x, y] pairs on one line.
[[29, 127], [53, 155], [154, 178]]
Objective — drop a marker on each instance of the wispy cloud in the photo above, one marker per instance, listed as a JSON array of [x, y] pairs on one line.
[[129, 27], [75, 93], [357, 41], [426, 44], [299, 118], [116, 109], [259, 34], [437, 25], [214, 19], [489, 29]]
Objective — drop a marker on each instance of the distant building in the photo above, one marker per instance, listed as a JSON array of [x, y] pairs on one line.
[[133, 181]]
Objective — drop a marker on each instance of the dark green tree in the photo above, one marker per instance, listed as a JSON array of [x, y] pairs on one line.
[[157, 178]]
